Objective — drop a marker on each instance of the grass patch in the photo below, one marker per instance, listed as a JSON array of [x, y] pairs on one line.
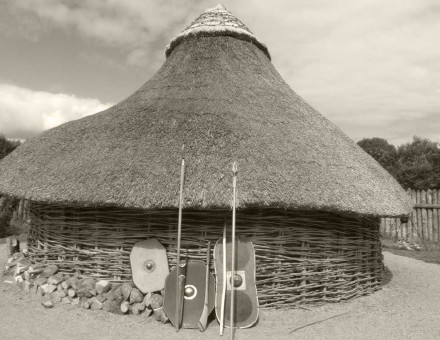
[[430, 252]]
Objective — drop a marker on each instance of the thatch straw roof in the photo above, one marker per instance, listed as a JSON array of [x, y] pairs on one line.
[[213, 22], [219, 95]]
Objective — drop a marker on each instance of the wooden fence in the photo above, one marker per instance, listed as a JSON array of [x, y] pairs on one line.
[[424, 222]]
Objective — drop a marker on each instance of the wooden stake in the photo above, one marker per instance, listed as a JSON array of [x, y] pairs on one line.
[[12, 246], [234, 186]]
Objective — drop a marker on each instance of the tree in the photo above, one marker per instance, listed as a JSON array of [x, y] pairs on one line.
[[419, 164], [415, 165], [383, 152]]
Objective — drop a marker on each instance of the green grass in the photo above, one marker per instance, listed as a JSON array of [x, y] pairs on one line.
[[431, 254]]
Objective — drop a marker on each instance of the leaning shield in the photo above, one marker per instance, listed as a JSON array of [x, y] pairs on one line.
[[149, 265], [194, 294]]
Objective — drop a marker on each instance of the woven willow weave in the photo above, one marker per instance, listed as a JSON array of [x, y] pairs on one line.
[[301, 256]]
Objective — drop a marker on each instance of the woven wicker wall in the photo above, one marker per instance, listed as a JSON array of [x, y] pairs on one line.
[[302, 256]]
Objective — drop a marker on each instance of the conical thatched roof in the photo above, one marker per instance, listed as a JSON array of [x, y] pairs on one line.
[[220, 96]]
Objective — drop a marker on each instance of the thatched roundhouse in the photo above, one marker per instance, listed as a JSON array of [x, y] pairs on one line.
[[308, 197]]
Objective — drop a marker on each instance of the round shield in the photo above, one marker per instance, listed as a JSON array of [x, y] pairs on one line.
[[149, 265]]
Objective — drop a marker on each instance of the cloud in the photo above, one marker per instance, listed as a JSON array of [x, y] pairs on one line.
[[133, 26], [367, 65], [25, 113], [371, 67]]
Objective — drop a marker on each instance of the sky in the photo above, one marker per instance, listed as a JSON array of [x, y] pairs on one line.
[[372, 67]]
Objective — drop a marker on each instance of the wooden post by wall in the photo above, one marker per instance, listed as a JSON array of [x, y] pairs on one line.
[[12, 246]]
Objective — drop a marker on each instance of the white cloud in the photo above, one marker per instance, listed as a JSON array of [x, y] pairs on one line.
[[370, 66], [25, 113], [367, 65], [133, 25]]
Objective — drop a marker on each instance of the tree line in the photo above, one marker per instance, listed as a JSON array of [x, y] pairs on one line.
[[415, 165]]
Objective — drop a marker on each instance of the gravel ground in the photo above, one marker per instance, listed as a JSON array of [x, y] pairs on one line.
[[408, 307]]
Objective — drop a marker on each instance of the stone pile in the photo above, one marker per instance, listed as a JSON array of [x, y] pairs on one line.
[[54, 287]]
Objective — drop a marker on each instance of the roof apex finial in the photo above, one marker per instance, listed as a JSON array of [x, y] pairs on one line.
[[217, 21], [219, 6]]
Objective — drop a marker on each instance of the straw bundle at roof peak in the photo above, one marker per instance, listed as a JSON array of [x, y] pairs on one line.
[[216, 21], [221, 97]]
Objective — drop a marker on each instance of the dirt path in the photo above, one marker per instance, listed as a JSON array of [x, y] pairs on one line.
[[408, 307]]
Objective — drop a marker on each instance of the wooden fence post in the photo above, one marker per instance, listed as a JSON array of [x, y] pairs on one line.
[[409, 225], [429, 224], [12, 246], [435, 216]]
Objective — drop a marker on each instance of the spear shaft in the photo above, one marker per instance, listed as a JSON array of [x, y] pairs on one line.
[[234, 186], [224, 282], [180, 278]]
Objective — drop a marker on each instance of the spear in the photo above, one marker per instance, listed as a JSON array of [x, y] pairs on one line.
[[180, 275], [234, 186]]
